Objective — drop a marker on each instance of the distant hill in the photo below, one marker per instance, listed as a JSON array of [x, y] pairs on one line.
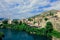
[[45, 13]]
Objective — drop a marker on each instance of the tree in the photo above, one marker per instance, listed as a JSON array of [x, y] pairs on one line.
[[20, 23], [30, 19], [51, 13], [45, 19], [15, 21], [1, 35], [5, 22], [49, 28], [34, 22]]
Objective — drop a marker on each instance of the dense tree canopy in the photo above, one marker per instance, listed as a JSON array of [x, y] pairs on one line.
[[5, 22]]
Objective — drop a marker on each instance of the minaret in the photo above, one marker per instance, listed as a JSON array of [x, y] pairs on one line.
[[9, 21], [23, 20]]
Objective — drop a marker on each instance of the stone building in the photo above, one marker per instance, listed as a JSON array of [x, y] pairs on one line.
[[9, 21], [58, 13]]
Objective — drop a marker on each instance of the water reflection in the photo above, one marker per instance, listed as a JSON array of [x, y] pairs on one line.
[[19, 35]]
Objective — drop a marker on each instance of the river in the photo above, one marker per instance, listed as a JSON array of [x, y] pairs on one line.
[[20, 35]]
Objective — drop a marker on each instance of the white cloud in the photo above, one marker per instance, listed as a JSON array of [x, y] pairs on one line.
[[54, 5], [23, 8]]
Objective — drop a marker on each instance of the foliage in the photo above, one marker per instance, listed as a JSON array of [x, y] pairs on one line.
[[49, 28], [5, 22], [51, 13], [25, 27], [1, 33], [35, 22], [48, 31], [15, 21], [20, 23], [55, 33], [45, 19], [30, 19]]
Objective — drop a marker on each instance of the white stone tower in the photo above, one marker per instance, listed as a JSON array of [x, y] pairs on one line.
[[9, 21]]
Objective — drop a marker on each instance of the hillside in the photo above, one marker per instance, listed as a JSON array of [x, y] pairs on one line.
[[47, 23], [41, 19]]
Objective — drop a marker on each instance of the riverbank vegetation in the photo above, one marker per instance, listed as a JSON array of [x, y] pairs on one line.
[[47, 31], [55, 34], [1, 35]]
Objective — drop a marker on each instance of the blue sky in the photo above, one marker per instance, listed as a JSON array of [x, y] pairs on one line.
[[19, 9]]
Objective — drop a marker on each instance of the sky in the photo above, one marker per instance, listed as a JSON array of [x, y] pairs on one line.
[[20, 9]]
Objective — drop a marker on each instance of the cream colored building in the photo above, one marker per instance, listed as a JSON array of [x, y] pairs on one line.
[[9, 21], [58, 13]]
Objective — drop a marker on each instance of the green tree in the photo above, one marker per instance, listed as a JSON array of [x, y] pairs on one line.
[[15, 21], [5, 22], [45, 19], [20, 23], [49, 28], [1, 35], [34, 22], [51, 13], [30, 19]]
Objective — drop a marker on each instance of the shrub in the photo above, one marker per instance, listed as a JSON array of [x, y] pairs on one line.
[[30, 19], [45, 19], [5, 22], [49, 28]]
